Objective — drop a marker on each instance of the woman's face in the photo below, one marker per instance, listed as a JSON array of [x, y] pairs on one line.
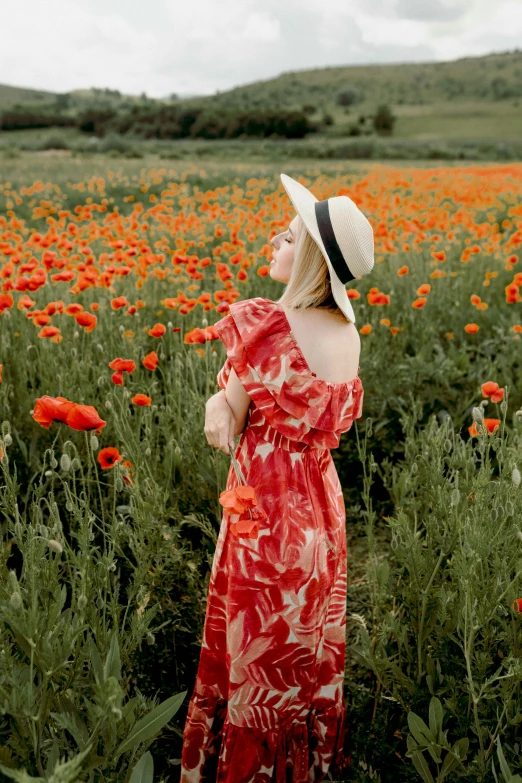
[[283, 255]]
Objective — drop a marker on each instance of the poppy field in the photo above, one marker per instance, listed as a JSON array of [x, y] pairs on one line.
[[110, 285]]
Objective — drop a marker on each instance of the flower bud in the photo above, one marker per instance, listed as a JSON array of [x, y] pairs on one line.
[[48, 473], [55, 545], [148, 451], [69, 506], [65, 463], [8, 439], [151, 638], [95, 443], [477, 414], [116, 711], [100, 348], [82, 601], [108, 404], [16, 600], [204, 322], [76, 464], [515, 477], [6, 428], [177, 450]]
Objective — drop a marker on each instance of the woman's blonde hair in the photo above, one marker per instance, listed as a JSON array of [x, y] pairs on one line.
[[309, 283]]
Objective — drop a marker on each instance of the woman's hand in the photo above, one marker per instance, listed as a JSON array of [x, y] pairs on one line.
[[220, 423]]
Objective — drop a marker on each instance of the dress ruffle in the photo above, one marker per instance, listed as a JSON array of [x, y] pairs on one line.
[[217, 751], [266, 358]]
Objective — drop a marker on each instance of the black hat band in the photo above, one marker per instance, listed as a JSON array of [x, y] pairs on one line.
[[326, 231]]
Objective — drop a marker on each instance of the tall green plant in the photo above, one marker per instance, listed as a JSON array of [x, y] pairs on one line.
[[65, 635], [441, 621]]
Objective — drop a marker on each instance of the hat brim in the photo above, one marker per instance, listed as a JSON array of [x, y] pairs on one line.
[[303, 201]]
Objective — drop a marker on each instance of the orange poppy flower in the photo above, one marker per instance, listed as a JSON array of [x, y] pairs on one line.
[[420, 302], [141, 399], [492, 389], [108, 457], [151, 360], [439, 255], [425, 288], [158, 330], [471, 328], [119, 302], [490, 424], [242, 501], [517, 605], [86, 319], [123, 365]]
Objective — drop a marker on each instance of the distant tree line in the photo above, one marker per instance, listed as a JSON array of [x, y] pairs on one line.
[[169, 122]]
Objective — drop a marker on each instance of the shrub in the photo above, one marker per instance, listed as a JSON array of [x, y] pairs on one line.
[[384, 120]]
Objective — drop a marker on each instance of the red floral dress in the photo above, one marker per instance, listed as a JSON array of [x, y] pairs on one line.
[[268, 701]]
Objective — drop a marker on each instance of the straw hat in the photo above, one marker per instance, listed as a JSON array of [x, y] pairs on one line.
[[343, 234]]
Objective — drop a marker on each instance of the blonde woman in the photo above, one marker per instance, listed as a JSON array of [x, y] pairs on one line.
[[268, 701]]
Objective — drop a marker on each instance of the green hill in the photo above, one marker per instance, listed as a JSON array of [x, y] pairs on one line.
[[493, 77], [473, 98]]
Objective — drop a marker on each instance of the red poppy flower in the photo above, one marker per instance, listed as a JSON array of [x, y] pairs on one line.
[[84, 418], [141, 399], [517, 605], [117, 377], [108, 457], [48, 409], [151, 360]]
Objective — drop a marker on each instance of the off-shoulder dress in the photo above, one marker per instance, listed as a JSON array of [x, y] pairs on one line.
[[268, 702]]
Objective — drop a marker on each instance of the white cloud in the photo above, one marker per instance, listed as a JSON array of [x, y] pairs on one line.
[[199, 46]]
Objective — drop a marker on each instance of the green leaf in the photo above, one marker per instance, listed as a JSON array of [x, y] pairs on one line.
[[435, 716], [112, 666], [143, 772], [419, 729], [95, 660], [502, 761], [422, 767], [148, 726], [20, 775], [68, 771], [454, 757]]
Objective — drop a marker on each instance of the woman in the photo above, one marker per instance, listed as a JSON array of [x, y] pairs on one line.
[[268, 701]]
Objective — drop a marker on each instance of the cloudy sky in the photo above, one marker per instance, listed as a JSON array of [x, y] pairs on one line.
[[200, 46]]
